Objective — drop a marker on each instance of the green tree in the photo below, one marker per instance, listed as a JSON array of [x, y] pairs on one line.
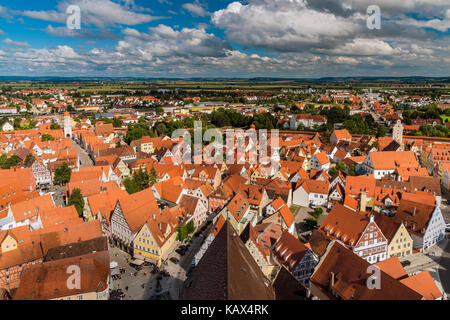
[[47, 137], [142, 179], [117, 123], [76, 199], [311, 223], [137, 131], [28, 158], [131, 185], [63, 173], [184, 230], [352, 170], [161, 129], [317, 213], [7, 163], [381, 131], [55, 126], [152, 176]]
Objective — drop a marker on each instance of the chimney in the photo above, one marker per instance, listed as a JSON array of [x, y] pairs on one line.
[[154, 217], [333, 279], [414, 211]]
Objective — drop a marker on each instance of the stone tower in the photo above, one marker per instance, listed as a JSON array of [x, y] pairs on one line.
[[67, 125], [397, 133]]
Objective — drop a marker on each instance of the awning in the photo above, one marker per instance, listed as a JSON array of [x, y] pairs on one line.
[[115, 271], [137, 262]]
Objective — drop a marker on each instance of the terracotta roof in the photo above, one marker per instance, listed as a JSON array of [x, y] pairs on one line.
[[287, 215], [342, 134], [138, 208], [31, 208], [351, 202], [238, 206], [315, 186], [392, 267], [355, 185], [393, 159], [57, 215], [322, 157], [48, 280], [278, 203], [350, 278], [344, 224], [92, 187], [105, 202], [415, 216], [170, 190], [423, 284], [289, 251], [189, 203]]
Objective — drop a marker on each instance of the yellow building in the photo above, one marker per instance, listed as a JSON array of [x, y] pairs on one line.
[[400, 243], [157, 236]]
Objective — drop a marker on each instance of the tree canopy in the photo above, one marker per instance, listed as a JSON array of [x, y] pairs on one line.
[[76, 199], [63, 173]]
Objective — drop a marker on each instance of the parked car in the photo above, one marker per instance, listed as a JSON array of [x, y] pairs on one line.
[[447, 227], [174, 260], [313, 206], [406, 263], [179, 251]]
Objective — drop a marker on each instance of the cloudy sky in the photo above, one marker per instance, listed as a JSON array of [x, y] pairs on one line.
[[221, 38]]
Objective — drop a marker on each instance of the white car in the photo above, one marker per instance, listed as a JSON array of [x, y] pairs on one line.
[[447, 227]]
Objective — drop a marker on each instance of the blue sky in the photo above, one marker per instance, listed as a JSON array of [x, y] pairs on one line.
[[222, 38]]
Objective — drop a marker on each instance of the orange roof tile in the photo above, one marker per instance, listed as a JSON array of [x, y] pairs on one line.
[[423, 284]]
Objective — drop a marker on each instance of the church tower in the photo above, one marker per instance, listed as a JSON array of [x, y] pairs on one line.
[[397, 133], [67, 125]]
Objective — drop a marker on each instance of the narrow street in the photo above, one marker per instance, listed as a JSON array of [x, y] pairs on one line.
[[85, 160]]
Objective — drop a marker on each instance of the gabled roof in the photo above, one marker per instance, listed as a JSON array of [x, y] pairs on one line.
[[350, 278], [393, 159], [315, 186], [48, 280], [344, 224], [392, 267], [423, 284], [289, 251], [31, 208], [138, 208], [232, 275], [342, 134], [355, 185], [322, 158], [351, 203], [238, 206], [415, 216]]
